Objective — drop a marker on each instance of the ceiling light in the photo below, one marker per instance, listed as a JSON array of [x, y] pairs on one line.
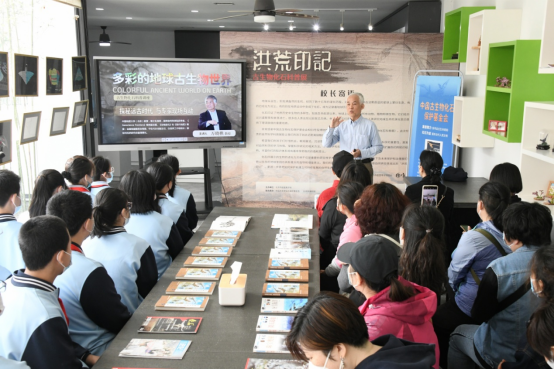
[[370, 26], [291, 27], [99, 8], [291, 21], [194, 11], [316, 27], [210, 20], [266, 27], [341, 27], [264, 18], [289, 12], [342, 20], [104, 44], [129, 18], [221, 26]]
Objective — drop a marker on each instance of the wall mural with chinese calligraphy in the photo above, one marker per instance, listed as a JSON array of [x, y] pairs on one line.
[[296, 82]]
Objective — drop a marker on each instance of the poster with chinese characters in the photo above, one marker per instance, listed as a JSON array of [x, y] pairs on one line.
[[296, 83]]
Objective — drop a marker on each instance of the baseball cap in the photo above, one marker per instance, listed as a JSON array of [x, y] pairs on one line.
[[340, 160], [373, 257]]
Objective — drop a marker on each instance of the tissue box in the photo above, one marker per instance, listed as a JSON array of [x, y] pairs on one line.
[[232, 295]]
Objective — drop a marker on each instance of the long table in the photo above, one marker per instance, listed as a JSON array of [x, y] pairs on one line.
[[226, 335]]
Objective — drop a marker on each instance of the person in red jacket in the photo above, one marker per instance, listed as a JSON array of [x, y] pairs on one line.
[[393, 305], [340, 160]]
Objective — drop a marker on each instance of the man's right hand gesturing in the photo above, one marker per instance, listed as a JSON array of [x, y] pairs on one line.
[[336, 122]]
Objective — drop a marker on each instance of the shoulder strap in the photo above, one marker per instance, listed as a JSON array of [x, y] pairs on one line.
[[514, 297], [387, 237], [475, 277], [493, 240]]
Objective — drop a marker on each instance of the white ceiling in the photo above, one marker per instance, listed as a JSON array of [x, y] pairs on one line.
[[170, 15]]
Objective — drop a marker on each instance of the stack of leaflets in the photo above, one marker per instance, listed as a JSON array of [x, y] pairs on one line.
[[285, 290], [282, 305], [302, 253], [291, 244], [156, 348], [198, 273], [181, 303], [206, 262], [288, 264], [230, 223], [223, 234], [191, 287], [264, 363], [292, 237], [170, 325], [228, 242], [278, 324], [292, 220], [287, 276], [270, 343]]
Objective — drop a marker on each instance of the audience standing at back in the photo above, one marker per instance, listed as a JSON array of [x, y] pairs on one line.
[[129, 260], [147, 222], [179, 195], [95, 311], [103, 175], [340, 160], [10, 202], [79, 171], [509, 175]]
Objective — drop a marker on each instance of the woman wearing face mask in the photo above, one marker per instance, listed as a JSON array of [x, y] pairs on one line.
[[504, 302], [330, 333], [79, 171], [476, 250], [128, 259], [103, 175], [393, 305]]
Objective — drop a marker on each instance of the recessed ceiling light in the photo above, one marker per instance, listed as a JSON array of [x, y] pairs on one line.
[[194, 11], [316, 27], [128, 17], [221, 26], [99, 8], [104, 44], [291, 21], [291, 27], [266, 27], [210, 20]]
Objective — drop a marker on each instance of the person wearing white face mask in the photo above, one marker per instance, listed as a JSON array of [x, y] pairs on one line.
[[504, 302], [95, 311], [128, 259], [10, 202], [79, 171], [34, 323], [103, 175], [330, 333]]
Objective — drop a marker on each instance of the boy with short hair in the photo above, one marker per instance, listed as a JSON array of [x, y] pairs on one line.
[[34, 323], [10, 254], [96, 313]]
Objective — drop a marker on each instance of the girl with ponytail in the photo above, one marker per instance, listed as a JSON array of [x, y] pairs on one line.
[[128, 259], [47, 183], [421, 236], [79, 172], [103, 175]]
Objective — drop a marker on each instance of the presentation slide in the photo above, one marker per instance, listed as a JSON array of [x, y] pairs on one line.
[[169, 101]]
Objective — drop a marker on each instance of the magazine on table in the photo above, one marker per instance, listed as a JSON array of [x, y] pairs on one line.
[[191, 287], [170, 325], [282, 305], [287, 275], [198, 274], [288, 264], [181, 303], [230, 223], [156, 348], [278, 324], [292, 220], [264, 363], [223, 234], [270, 343], [277, 253], [212, 251], [285, 290]]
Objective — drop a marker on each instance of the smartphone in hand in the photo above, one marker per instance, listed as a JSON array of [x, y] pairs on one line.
[[465, 227]]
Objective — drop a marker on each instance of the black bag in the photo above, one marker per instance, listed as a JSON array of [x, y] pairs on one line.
[[454, 174]]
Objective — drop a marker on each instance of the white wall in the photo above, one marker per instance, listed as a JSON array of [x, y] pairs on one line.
[[478, 162]]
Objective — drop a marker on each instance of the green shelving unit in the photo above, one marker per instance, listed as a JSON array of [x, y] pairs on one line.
[[456, 24], [516, 60]]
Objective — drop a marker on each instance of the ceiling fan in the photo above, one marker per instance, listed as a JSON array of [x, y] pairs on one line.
[[265, 12], [105, 39]]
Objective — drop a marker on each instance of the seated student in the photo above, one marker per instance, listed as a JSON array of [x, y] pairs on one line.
[[541, 336], [509, 175], [340, 160], [504, 302], [422, 240], [147, 222], [34, 324], [475, 251], [330, 333], [179, 195], [92, 304], [393, 305], [4, 362], [163, 175], [79, 171], [332, 221], [10, 202], [47, 184], [103, 175], [128, 259], [379, 211]]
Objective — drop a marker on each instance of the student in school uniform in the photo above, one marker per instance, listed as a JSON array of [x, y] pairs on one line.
[[95, 311], [179, 195], [4, 362], [128, 259], [103, 175], [147, 222], [10, 202], [47, 184], [79, 171], [34, 323], [163, 175]]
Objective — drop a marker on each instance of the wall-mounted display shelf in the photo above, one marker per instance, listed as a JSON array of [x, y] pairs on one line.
[[485, 27], [546, 63], [466, 125], [455, 33], [517, 61]]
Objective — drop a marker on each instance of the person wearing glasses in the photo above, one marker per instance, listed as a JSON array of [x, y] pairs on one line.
[[103, 175], [95, 311], [129, 260]]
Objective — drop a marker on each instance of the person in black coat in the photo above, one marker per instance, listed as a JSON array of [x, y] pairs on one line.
[[509, 175], [213, 119]]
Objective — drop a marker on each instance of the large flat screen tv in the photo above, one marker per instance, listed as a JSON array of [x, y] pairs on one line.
[[149, 103]]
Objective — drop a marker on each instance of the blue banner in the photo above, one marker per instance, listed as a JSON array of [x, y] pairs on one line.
[[432, 119]]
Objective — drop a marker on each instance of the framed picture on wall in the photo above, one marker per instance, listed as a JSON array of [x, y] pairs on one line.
[[80, 113], [79, 73], [30, 127], [5, 142], [550, 190], [59, 121], [4, 76], [54, 76], [25, 75]]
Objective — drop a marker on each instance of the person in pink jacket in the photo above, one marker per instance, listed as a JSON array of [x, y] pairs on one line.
[[393, 305]]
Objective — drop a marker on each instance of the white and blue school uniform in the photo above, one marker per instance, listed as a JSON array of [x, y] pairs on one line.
[[82, 189], [129, 261], [162, 235], [185, 199], [10, 364], [96, 187], [95, 311], [11, 258], [177, 215], [34, 326]]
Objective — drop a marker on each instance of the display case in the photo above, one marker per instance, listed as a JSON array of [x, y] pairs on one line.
[[546, 61]]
